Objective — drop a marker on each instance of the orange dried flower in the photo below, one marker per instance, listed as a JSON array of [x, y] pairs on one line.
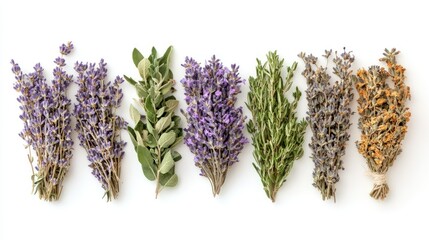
[[386, 113]]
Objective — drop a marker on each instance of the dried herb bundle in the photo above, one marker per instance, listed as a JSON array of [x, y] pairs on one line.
[[215, 126], [97, 124], [277, 134], [383, 117], [47, 128], [155, 134], [329, 117]]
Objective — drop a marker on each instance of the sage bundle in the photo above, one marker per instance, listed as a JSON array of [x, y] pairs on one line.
[[215, 126], [277, 134], [47, 128], [329, 117], [383, 117], [155, 134], [97, 124]]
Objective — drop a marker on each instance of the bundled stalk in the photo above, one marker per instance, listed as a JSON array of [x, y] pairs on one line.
[[47, 129], [98, 126], [155, 135], [329, 117], [277, 134], [383, 117], [215, 126]]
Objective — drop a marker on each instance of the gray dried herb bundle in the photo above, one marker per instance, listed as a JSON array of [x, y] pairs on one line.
[[329, 117], [155, 134], [383, 117], [277, 134]]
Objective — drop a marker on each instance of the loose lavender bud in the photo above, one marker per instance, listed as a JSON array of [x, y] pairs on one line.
[[329, 117], [98, 126], [47, 128], [215, 126]]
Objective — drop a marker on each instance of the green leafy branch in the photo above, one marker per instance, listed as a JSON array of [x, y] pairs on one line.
[[156, 133], [277, 134]]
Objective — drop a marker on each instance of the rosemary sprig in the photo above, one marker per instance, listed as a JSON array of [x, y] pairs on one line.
[[277, 134]]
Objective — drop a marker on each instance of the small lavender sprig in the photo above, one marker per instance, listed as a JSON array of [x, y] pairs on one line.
[[329, 117], [47, 129], [215, 126], [98, 126]]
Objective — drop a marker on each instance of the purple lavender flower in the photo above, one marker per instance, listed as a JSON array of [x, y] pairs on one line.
[[98, 126], [215, 127], [47, 128]]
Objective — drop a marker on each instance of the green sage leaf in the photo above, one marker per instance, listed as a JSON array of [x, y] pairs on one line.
[[167, 139], [143, 67], [160, 112], [141, 92], [167, 163], [165, 59], [166, 88], [137, 57], [130, 80], [149, 127], [146, 160], [150, 110], [168, 180], [151, 141], [139, 138], [132, 136], [163, 123], [171, 105], [135, 114]]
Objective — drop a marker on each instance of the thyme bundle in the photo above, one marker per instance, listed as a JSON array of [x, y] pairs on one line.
[[47, 128], [215, 126], [277, 134], [329, 117], [156, 134], [383, 117]]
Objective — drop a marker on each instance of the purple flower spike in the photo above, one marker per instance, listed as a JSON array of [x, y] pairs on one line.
[[215, 127], [47, 127], [97, 124]]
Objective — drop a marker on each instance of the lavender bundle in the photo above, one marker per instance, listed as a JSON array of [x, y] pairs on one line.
[[97, 124], [155, 135], [215, 126], [277, 133], [329, 117], [47, 130], [383, 117]]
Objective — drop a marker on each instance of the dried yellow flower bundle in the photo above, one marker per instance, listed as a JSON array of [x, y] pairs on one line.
[[383, 117]]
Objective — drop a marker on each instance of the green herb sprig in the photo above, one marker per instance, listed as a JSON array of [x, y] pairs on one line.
[[156, 133], [277, 134]]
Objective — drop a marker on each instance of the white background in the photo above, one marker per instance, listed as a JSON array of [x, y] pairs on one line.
[[237, 32]]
